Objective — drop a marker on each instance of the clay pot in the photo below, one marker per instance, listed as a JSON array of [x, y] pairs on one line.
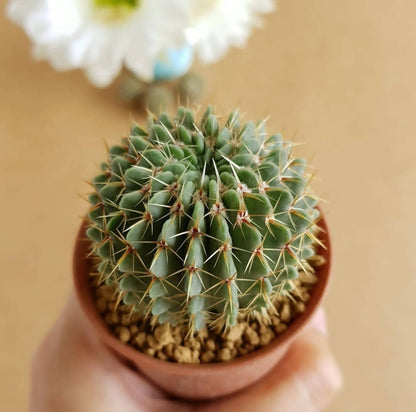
[[198, 381]]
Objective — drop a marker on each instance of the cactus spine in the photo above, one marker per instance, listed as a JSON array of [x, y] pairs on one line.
[[199, 223]]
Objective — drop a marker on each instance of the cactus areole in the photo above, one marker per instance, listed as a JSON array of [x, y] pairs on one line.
[[199, 222]]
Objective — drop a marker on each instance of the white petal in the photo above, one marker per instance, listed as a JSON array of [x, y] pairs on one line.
[[19, 10], [104, 58], [222, 24], [101, 75]]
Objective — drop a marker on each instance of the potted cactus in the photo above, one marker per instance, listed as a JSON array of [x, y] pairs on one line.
[[196, 236]]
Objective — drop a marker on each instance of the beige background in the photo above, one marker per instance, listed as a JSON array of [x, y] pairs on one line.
[[336, 75]]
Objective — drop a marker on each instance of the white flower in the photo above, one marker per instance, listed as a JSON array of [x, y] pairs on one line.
[[218, 24], [100, 36]]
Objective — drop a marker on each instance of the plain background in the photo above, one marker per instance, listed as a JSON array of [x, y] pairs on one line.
[[338, 76]]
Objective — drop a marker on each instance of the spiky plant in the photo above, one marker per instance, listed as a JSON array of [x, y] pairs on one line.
[[198, 222]]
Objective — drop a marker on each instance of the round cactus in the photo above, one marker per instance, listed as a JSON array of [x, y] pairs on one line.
[[200, 223]]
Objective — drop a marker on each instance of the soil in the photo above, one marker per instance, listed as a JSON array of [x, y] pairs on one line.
[[206, 346]]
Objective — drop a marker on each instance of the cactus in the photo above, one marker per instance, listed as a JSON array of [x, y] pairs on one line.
[[201, 223]]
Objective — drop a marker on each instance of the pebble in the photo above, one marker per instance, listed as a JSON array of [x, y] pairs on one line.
[[192, 343], [318, 260], [281, 327], [182, 354], [152, 342], [177, 335], [124, 334], [163, 334], [229, 345], [224, 355], [285, 313], [235, 333], [161, 355], [251, 336], [300, 307], [195, 356], [134, 330], [266, 338], [149, 351], [308, 278], [207, 356], [140, 339], [210, 344], [242, 351], [168, 349]]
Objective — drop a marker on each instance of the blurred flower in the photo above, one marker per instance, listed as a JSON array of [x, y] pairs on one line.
[[218, 24], [154, 39], [100, 36]]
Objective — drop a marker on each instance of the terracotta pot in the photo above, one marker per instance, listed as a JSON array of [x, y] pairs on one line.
[[198, 381]]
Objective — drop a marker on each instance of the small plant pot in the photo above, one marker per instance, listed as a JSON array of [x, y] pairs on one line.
[[198, 381]]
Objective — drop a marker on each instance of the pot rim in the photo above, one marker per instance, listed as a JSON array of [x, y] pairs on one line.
[[85, 297]]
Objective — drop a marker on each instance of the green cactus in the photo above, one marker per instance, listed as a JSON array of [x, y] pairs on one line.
[[199, 223]]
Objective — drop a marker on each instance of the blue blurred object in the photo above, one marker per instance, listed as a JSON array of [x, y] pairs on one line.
[[173, 63]]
